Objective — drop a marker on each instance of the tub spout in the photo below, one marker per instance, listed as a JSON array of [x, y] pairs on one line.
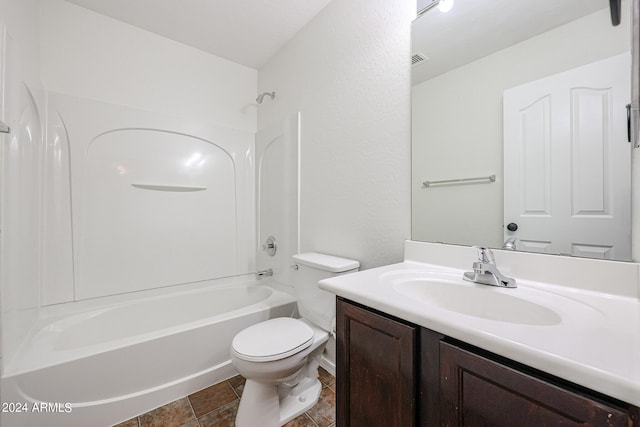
[[264, 273]]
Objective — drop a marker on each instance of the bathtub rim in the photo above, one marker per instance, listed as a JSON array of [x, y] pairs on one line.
[[23, 361]]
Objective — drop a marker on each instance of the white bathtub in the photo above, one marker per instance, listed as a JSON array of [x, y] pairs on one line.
[[105, 363]]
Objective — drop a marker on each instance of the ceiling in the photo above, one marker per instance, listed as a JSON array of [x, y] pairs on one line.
[[248, 32], [473, 29]]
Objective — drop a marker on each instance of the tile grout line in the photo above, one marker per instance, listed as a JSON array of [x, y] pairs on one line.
[[233, 389], [312, 420], [193, 411]]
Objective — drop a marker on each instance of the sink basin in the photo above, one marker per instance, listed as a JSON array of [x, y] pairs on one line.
[[449, 292]]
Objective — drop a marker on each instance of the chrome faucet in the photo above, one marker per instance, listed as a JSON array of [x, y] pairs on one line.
[[486, 272], [264, 273]]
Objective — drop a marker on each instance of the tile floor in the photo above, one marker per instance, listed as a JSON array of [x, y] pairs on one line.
[[216, 406]]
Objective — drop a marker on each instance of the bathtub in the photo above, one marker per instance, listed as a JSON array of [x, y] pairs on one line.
[[98, 363]]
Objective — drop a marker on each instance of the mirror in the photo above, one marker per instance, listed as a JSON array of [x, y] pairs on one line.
[[519, 129]]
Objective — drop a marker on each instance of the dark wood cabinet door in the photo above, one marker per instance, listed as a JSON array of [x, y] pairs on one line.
[[376, 372], [479, 392]]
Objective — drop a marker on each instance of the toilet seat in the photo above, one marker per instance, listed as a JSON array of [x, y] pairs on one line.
[[272, 340]]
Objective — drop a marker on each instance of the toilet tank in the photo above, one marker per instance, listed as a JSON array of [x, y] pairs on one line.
[[314, 304]]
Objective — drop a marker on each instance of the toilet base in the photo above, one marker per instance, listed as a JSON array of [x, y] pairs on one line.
[[261, 406]]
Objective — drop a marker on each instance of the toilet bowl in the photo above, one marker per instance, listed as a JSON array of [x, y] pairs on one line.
[[282, 385], [279, 358]]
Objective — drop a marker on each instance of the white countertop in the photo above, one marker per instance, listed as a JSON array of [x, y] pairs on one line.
[[595, 343]]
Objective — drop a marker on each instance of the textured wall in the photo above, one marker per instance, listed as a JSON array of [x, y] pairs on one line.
[[348, 74]]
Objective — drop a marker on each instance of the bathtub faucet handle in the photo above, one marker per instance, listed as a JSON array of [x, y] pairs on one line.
[[270, 246]]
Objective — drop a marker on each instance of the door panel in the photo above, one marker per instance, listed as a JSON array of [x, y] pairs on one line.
[[567, 163]]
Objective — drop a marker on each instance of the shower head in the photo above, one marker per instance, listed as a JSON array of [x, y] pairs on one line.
[[262, 95]]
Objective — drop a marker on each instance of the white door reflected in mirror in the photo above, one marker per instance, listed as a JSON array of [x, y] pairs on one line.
[[567, 174]]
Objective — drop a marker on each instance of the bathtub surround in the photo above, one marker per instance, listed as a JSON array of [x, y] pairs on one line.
[[129, 211], [20, 254], [165, 86], [79, 53], [277, 165]]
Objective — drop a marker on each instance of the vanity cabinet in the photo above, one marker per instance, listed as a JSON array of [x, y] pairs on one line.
[[393, 373], [375, 368]]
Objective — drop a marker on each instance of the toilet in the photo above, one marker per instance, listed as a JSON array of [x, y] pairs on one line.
[[280, 357]]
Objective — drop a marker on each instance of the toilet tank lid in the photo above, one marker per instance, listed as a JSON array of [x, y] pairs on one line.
[[325, 262]]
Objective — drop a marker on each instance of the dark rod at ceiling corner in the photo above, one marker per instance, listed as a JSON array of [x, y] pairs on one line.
[[615, 7]]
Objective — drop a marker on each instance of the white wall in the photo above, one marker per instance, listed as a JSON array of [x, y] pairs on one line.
[[347, 72], [457, 126], [93, 56]]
